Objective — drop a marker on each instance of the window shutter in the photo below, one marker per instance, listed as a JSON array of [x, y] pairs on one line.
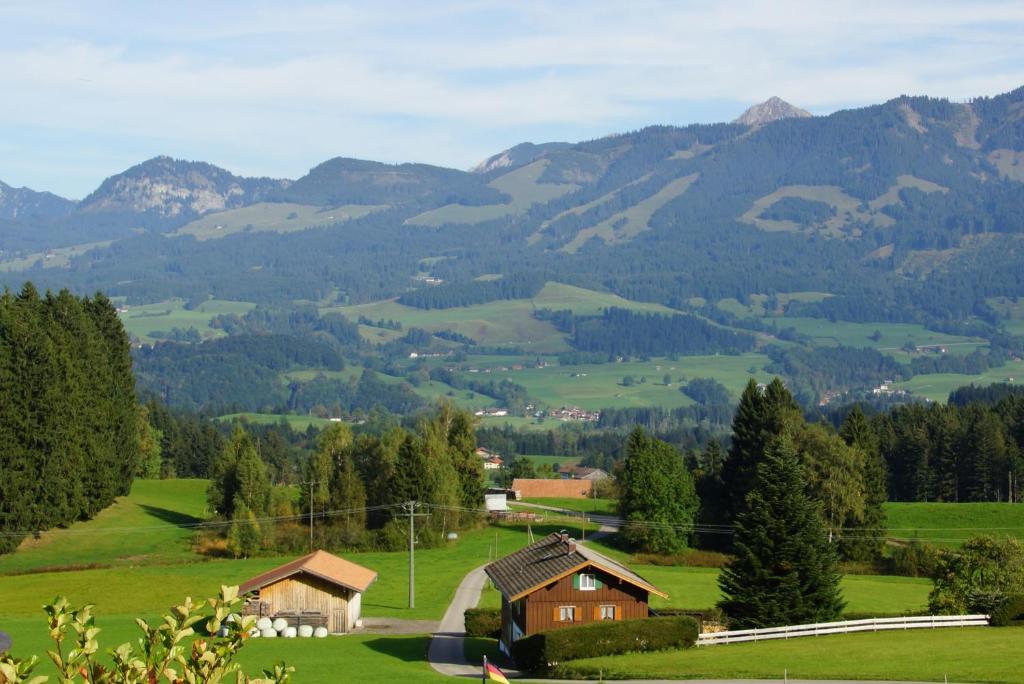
[[575, 581], [557, 616], [597, 582], [597, 613], [618, 612]]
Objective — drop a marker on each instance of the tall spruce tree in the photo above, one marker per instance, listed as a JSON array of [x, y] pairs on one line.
[[784, 569], [760, 416], [657, 494]]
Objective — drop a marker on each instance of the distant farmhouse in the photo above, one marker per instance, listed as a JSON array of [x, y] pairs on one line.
[[558, 582], [492, 460], [530, 488], [582, 473], [318, 589]]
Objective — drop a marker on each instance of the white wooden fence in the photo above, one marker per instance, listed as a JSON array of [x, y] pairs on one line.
[[870, 625]]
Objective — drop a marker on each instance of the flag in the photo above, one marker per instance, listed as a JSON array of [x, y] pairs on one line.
[[494, 674]]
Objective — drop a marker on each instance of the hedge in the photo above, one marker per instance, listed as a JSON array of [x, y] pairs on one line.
[[483, 622], [1011, 612], [539, 652]]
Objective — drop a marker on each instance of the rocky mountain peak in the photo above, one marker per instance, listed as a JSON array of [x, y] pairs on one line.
[[772, 109], [520, 155], [24, 203], [174, 187]]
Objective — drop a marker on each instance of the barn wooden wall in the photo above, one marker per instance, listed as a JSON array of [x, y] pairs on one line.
[[303, 592]]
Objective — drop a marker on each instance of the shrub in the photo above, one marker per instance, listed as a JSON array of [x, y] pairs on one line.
[[540, 652], [915, 559], [1011, 612], [983, 575], [483, 622]]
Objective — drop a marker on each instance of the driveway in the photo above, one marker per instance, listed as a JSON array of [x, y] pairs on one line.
[[446, 652]]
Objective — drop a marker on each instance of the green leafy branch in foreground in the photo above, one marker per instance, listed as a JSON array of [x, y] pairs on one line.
[[163, 653]]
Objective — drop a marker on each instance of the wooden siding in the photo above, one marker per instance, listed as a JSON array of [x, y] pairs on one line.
[[542, 606], [306, 593]]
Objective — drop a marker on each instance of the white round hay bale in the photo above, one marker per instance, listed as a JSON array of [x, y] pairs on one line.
[[289, 633], [305, 631], [280, 624], [320, 632], [234, 617], [253, 633], [264, 623], [268, 633], [222, 632]]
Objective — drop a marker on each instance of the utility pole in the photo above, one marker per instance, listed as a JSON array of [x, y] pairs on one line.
[[410, 508], [311, 516]]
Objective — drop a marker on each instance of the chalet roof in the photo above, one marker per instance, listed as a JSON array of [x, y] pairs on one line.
[[545, 489], [321, 564], [551, 559]]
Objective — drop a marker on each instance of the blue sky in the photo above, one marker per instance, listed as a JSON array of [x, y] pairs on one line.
[[272, 89]]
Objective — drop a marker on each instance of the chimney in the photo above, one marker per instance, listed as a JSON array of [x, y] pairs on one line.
[[572, 546], [563, 537]]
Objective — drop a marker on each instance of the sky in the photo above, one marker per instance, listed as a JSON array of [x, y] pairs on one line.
[[272, 89]]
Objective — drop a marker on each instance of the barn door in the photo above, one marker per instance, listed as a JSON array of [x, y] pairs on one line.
[[338, 623]]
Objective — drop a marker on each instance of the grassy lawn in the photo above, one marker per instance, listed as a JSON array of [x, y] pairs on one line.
[[141, 528], [139, 321], [950, 524], [596, 506], [363, 657], [697, 588], [978, 654], [596, 386], [937, 386]]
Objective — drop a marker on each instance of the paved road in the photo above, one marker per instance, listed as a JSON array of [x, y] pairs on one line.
[[446, 648]]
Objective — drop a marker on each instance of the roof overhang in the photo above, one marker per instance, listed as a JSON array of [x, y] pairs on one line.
[[582, 566]]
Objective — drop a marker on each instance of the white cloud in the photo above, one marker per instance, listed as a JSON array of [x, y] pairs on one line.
[[399, 80]]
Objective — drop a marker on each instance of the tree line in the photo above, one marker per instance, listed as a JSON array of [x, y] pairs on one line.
[[69, 423]]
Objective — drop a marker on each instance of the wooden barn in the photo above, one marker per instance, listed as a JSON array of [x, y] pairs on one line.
[[319, 589], [557, 582]]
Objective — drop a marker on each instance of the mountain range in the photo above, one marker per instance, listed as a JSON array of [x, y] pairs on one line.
[[878, 208]]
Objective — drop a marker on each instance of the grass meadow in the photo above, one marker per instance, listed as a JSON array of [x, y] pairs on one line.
[[976, 654], [143, 562], [140, 321], [951, 524]]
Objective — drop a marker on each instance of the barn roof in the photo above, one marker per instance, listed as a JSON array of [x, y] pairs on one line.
[[321, 564], [550, 559]]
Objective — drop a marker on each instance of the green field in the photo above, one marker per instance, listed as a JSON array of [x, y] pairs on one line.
[[142, 528], [139, 321], [300, 423], [892, 335], [521, 184], [507, 322], [595, 506], [271, 217], [596, 386], [59, 257], [152, 566], [978, 654], [950, 524], [937, 387]]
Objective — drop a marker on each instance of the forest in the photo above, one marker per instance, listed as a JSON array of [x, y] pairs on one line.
[[69, 423]]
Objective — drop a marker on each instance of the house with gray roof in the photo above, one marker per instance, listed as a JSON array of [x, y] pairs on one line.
[[558, 582]]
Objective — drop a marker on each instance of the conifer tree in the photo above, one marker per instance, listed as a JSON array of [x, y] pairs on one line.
[[658, 494], [760, 416], [865, 542], [784, 570]]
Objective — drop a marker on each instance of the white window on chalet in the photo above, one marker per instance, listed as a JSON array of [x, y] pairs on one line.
[[587, 582], [567, 614], [607, 612]]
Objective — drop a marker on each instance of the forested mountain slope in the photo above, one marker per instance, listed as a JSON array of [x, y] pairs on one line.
[[908, 211]]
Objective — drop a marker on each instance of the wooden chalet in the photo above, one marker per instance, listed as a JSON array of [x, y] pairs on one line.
[[558, 582], [318, 589]]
